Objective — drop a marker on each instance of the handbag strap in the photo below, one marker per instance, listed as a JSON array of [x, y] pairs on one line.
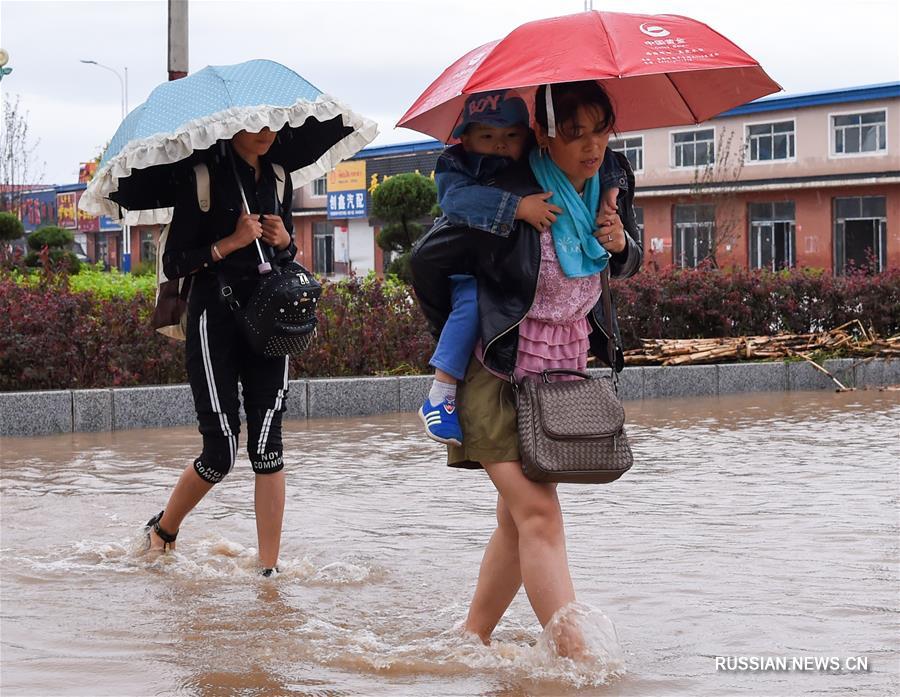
[[610, 344], [606, 297], [547, 374]]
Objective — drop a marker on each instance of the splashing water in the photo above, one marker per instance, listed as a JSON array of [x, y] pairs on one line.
[[381, 551]]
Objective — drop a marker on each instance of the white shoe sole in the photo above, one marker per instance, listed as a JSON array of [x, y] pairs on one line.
[[445, 441]]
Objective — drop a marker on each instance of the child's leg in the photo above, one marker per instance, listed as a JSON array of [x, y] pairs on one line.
[[458, 337], [450, 360]]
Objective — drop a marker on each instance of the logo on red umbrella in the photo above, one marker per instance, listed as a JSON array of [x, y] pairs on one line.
[[653, 30]]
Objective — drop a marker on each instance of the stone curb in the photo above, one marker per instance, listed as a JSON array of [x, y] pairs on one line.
[[66, 411]]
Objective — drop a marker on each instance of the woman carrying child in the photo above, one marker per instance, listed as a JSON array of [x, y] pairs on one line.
[[538, 308], [493, 134]]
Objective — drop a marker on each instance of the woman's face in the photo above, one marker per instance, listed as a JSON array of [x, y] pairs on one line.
[[255, 143], [580, 152]]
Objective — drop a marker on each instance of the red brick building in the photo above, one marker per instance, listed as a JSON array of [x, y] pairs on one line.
[[805, 180]]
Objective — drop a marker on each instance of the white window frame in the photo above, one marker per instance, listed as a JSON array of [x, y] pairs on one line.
[[748, 161], [791, 242], [313, 183], [682, 168], [698, 227], [643, 150], [832, 155]]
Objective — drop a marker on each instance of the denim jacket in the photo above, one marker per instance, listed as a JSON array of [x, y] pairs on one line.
[[467, 196]]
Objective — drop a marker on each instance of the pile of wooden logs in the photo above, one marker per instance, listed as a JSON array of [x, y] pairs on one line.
[[849, 340]]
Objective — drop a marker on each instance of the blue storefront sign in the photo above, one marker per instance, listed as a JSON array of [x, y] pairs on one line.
[[348, 204]]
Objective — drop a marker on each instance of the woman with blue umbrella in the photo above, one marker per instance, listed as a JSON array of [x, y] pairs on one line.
[[217, 155]]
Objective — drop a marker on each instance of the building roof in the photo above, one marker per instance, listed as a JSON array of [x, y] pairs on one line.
[[398, 149], [388, 160], [884, 90]]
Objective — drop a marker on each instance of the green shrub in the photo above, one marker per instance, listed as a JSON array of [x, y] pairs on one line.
[[113, 284], [11, 227], [50, 236], [145, 268], [60, 261]]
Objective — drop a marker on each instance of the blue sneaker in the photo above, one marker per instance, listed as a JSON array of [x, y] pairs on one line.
[[441, 421]]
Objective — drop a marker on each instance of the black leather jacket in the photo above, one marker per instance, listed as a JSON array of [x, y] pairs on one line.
[[506, 269]]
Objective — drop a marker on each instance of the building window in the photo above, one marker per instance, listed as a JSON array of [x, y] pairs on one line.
[[632, 148], [639, 219], [148, 247], [772, 235], [859, 133], [695, 229], [694, 148], [860, 234], [320, 186], [102, 249], [323, 249], [770, 141]]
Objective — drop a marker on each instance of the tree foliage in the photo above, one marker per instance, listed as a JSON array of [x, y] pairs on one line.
[[717, 183], [50, 236], [19, 168], [11, 227], [402, 202], [56, 240]]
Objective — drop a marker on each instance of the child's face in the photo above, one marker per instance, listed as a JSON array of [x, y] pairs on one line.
[[508, 141]]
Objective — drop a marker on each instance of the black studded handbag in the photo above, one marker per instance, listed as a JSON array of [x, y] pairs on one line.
[[279, 318]]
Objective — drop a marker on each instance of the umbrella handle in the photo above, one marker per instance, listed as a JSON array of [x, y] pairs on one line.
[[264, 266]]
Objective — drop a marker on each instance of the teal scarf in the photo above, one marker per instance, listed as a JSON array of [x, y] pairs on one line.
[[578, 251]]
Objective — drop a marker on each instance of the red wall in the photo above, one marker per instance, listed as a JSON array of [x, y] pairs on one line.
[[814, 224]]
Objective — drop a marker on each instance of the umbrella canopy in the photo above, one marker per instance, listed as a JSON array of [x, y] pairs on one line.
[[659, 70], [183, 118]]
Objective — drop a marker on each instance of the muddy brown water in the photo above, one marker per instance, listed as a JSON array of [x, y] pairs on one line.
[[752, 525]]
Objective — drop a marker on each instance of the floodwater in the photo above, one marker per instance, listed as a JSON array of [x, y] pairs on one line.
[[752, 525]]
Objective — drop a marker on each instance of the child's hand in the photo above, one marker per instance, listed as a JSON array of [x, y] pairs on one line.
[[608, 201], [537, 211]]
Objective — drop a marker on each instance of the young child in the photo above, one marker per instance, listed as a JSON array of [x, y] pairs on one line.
[[493, 132]]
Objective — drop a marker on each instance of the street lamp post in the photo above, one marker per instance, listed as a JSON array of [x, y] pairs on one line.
[[123, 103]]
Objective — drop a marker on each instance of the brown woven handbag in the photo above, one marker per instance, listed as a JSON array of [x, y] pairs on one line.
[[573, 430]]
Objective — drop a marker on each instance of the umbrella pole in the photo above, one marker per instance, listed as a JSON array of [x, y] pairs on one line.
[[264, 266]]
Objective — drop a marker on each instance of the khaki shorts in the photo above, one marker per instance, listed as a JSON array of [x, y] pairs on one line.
[[487, 415]]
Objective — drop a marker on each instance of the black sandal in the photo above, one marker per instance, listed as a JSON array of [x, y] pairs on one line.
[[153, 524]]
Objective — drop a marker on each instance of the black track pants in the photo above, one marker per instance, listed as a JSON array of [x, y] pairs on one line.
[[217, 357]]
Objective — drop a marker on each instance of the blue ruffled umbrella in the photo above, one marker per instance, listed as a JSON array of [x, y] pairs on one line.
[[183, 118]]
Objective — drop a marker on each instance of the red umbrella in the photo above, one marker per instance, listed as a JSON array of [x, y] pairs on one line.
[[659, 70]]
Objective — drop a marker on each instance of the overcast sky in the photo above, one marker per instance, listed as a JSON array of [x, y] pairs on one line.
[[375, 55]]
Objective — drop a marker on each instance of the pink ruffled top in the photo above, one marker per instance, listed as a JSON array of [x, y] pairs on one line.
[[554, 333]]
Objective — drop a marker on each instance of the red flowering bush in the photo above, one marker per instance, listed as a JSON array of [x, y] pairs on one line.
[[367, 326], [694, 303], [54, 337]]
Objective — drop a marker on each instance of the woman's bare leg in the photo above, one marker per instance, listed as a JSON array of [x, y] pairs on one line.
[[188, 492], [499, 579], [269, 502], [534, 507]]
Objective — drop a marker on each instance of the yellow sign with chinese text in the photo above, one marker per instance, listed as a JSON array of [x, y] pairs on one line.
[[347, 176]]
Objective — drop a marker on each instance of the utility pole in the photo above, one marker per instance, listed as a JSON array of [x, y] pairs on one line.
[[178, 39]]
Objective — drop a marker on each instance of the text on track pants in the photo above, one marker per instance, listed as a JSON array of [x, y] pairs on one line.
[[217, 357]]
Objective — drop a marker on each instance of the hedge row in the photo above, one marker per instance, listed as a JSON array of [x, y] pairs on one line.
[[55, 337]]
